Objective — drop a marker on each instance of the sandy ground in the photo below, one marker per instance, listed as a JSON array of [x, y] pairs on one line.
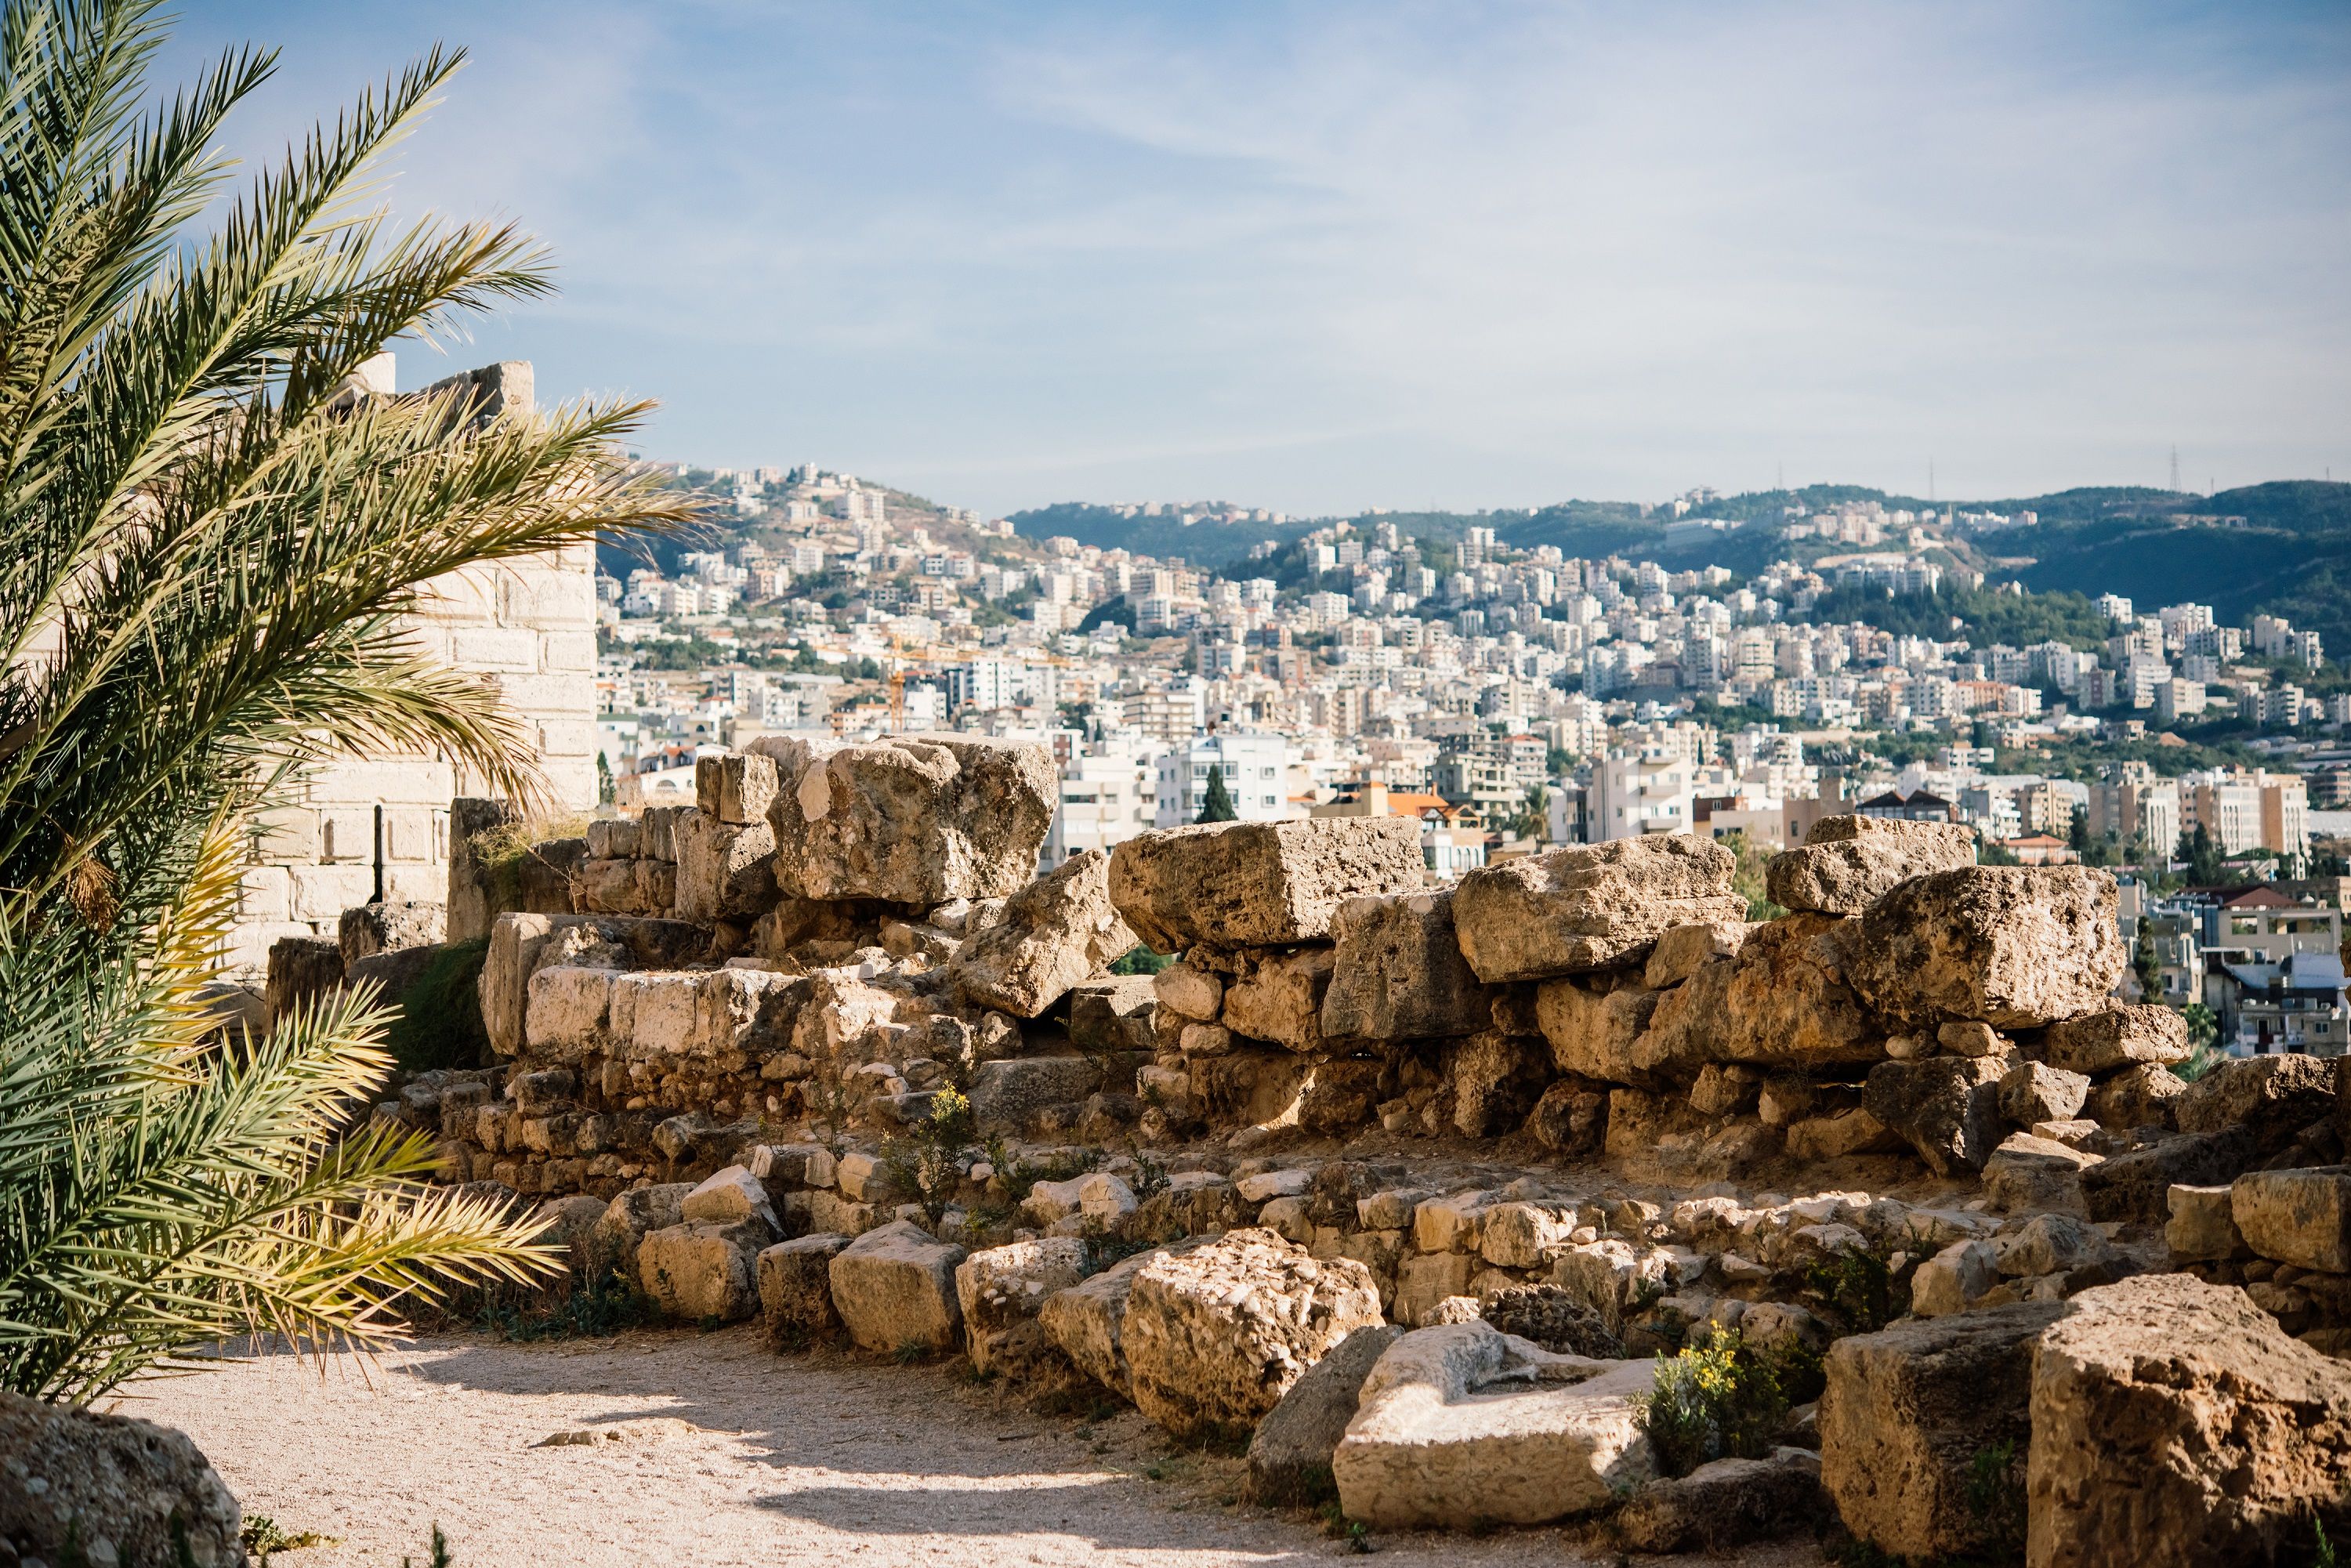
[[728, 1454]]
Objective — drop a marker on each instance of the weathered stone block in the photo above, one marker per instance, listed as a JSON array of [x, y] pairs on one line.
[[1905, 1413], [725, 870], [2117, 1036], [1214, 1337], [795, 1280], [1259, 884], [1781, 1001], [2297, 1216], [2136, 1186], [1278, 998], [1848, 862], [2176, 1426], [1398, 973], [1683, 950], [1455, 1427], [2203, 1226], [2271, 1097], [1054, 933], [700, 1271], [894, 1287], [1290, 1457], [1001, 1289], [2011, 946], [1590, 906], [77, 1487], [1947, 1106], [916, 818]]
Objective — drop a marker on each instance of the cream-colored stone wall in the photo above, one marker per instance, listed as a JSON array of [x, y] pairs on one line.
[[530, 626]]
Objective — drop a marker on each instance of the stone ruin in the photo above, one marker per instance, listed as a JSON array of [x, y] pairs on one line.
[[1408, 1187]]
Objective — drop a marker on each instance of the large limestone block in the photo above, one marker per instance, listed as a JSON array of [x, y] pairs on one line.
[[1279, 997], [77, 1487], [916, 818], [895, 1286], [1847, 863], [1948, 1107], [2140, 1096], [1088, 1320], [1590, 906], [701, 1270], [2297, 1216], [795, 1279], [1214, 1337], [755, 1011], [1001, 1289], [2027, 1172], [1398, 971], [1290, 1457], [1781, 1001], [2117, 1037], [1010, 1094], [725, 870], [1461, 1425], [2203, 1226], [1054, 933], [1114, 1014], [565, 1014], [2014, 946], [2176, 1426], [1259, 884], [1906, 1410]]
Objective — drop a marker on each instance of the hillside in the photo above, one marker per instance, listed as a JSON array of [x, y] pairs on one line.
[[2283, 546]]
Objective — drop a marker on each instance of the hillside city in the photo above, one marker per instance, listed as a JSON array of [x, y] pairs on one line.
[[1514, 698]]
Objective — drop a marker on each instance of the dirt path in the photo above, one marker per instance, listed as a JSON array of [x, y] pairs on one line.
[[730, 1455]]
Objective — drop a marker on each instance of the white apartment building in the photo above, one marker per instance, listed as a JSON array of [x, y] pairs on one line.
[[1108, 796], [1253, 763], [1650, 787]]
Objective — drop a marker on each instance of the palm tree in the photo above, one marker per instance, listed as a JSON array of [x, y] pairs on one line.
[[211, 541]]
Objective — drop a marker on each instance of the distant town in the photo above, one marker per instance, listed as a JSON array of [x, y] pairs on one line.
[[1512, 697]]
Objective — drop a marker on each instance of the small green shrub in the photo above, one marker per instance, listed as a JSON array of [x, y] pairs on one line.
[[1140, 960], [264, 1537], [1856, 1286], [1722, 1398], [440, 1558], [596, 1306], [439, 1023], [927, 1162]]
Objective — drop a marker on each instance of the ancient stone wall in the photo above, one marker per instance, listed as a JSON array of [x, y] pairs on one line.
[[819, 1049]]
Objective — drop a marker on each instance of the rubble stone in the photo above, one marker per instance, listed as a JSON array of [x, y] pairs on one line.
[[2027, 1172], [1114, 1014], [1088, 1320], [80, 1487], [1258, 885], [1398, 972], [2117, 1036], [2142, 1095], [2014, 946], [2136, 1186], [1214, 1337], [2203, 1224], [1001, 1289], [2030, 1093], [725, 871], [1907, 1409], [2271, 1097], [1593, 1032], [1954, 1279], [1590, 906], [795, 1280], [2174, 1420], [1189, 991], [1278, 999], [1848, 862], [1683, 950], [1290, 1457], [1725, 1503], [1054, 933], [1456, 1427], [895, 1286], [1948, 1107]]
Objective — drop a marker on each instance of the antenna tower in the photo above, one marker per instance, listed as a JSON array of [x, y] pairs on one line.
[[2175, 468]]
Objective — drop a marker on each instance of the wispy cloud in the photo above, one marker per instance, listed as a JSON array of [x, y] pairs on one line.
[[1327, 254]]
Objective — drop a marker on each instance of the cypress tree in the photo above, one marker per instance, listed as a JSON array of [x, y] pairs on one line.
[[1217, 805]]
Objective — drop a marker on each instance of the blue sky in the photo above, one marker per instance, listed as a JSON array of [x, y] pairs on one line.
[[1324, 256]]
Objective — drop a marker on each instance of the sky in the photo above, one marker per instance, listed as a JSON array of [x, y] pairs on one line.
[[1324, 256]]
